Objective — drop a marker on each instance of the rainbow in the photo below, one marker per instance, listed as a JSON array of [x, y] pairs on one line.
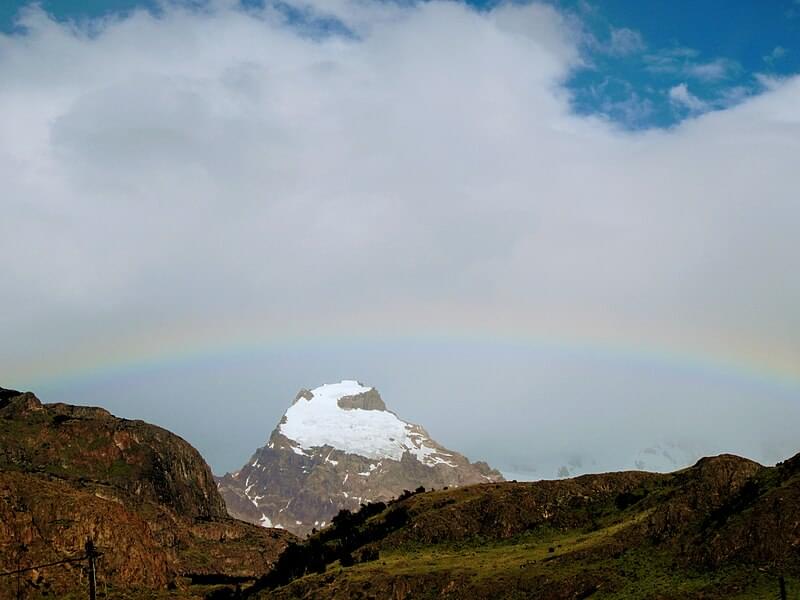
[[179, 347]]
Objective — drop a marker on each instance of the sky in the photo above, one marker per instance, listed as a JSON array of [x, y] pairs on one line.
[[552, 233]]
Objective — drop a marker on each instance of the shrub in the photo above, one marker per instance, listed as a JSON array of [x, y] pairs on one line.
[[368, 554]]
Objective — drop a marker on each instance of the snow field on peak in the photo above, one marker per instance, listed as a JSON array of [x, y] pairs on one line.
[[374, 434]]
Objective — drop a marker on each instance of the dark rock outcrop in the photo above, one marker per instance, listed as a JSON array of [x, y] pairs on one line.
[[6, 395], [144, 495], [370, 400]]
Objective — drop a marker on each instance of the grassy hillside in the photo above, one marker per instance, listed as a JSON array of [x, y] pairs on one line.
[[725, 528]]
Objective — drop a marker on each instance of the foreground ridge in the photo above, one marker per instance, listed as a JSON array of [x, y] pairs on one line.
[[142, 494], [726, 527]]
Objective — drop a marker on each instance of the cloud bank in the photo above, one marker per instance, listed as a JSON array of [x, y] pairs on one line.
[[417, 169]]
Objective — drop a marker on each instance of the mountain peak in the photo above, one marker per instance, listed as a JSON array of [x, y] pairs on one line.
[[336, 447], [353, 418], [347, 394]]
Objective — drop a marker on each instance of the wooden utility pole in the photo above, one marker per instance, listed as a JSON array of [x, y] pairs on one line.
[[91, 554], [782, 585], [19, 572], [20, 550]]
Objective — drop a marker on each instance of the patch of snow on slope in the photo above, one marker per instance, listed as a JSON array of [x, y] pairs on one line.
[[426, 454], [265, 521], [372, 467]]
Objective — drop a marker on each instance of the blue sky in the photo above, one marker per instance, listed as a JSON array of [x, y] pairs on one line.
[[647, 64], [715, 48]]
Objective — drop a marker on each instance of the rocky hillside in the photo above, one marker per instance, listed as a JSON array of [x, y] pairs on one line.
[[725, 528], [338, 446], [145, 496]]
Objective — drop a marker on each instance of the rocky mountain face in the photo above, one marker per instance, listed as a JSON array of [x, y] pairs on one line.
[[144, 495], [338, 447], [724, 528]]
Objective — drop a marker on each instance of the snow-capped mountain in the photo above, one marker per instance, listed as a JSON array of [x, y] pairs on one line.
[[338, 446]]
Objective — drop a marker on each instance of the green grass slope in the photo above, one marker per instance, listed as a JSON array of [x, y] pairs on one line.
[[724, 528]]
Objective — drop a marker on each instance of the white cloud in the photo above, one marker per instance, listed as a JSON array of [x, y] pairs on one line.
[[733, 95], [714, 70], [625, 41], [670, 60], [619, 42], [633, 111], [768, 81], [683, 62], [212, 172], [681, 96], [778, 52]]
